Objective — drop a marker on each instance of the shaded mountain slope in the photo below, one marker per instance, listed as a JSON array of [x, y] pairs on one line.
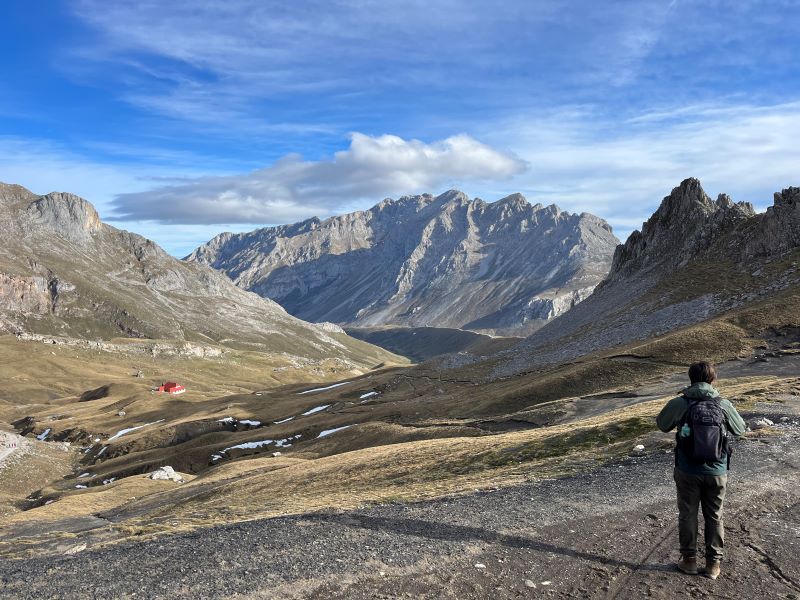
[[445, 261]]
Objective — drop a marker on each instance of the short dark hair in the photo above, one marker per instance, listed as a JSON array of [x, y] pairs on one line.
[[702, 372]]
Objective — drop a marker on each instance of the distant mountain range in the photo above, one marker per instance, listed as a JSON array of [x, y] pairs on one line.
[[64, 272], [506, 267]]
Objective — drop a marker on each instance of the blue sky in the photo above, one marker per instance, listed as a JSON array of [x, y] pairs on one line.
[[183, 119]]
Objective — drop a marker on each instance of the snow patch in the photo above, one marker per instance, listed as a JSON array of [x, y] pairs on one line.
[[367, 395], [316, 409], [328, 432], [251, 422], [283, 443], [283, 421], [42, 436], [122, 432], [322, 389]]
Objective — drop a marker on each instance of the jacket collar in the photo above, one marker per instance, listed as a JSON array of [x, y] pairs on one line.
[[700, 391]]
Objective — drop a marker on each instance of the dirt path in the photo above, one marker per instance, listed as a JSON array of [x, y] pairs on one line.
[[605, 534], [9, 444]]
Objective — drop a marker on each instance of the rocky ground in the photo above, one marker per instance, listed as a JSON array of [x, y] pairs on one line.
[[605, 534]]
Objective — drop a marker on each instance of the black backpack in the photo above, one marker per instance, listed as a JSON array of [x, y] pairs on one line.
[[707, 441]]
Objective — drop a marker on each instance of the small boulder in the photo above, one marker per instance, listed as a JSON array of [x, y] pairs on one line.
[[166, 473], [760, 423], [121, 413], [638, 449]]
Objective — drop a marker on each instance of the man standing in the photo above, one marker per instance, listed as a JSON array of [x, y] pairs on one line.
[[702, 456]]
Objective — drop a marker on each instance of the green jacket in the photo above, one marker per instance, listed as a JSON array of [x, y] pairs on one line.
[[675, 409]]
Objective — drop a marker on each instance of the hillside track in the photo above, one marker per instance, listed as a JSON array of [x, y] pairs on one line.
[[608, 533]]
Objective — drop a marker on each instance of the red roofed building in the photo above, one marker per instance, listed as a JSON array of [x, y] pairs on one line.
[[171, 388]]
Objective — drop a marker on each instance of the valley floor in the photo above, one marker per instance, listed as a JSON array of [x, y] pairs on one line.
[[609, 533]]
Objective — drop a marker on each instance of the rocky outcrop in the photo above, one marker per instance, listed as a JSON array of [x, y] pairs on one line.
[[444, 261], [66, 214], [778, 230], [25, 294], [686, 224]]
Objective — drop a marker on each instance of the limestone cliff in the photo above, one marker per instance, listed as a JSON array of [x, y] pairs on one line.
[[442, 261]]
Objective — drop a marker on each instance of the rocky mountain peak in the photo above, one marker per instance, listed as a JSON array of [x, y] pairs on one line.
[[12, 193], [778, 230], [68, 214], [788, 198], [686, 222], [446, 261]]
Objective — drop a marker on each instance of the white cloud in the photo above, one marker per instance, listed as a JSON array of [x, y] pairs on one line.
[[292, 189], [584, 161]]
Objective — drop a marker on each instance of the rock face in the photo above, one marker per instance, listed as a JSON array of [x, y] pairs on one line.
[[693, 259], [685, 225], [65, 273], [444, 261]]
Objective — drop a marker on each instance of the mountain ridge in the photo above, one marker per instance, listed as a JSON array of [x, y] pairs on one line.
[[424, 260], [692, 260]]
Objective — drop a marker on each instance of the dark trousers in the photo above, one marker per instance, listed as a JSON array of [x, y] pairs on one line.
[[707, 491]]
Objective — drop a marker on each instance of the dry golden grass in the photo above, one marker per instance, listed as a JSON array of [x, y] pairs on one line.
[[420, 438]]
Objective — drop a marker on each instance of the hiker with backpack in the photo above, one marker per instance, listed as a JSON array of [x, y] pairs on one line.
[[702, 459]]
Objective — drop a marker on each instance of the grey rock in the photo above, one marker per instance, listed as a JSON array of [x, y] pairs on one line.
[[166, 473], [686, 223], [444, 261]]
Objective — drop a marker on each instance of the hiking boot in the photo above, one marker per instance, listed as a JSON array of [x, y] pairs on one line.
[[688, 565], [712, 569]]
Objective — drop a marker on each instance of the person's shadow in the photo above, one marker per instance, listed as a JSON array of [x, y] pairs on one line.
[[439, 530]]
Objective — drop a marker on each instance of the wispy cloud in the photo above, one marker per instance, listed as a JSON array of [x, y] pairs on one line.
[[234, 64], [293, 188], [584, 160]]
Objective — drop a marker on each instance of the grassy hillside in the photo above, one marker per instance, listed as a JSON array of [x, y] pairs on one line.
[[391, 435]]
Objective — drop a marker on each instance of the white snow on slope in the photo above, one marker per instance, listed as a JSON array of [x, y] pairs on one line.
[[283, 421], [367, 395], [316, 409], [122, 432], [42, 436], [284, 443], [322, 389], [328, 432], [251, 422]]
